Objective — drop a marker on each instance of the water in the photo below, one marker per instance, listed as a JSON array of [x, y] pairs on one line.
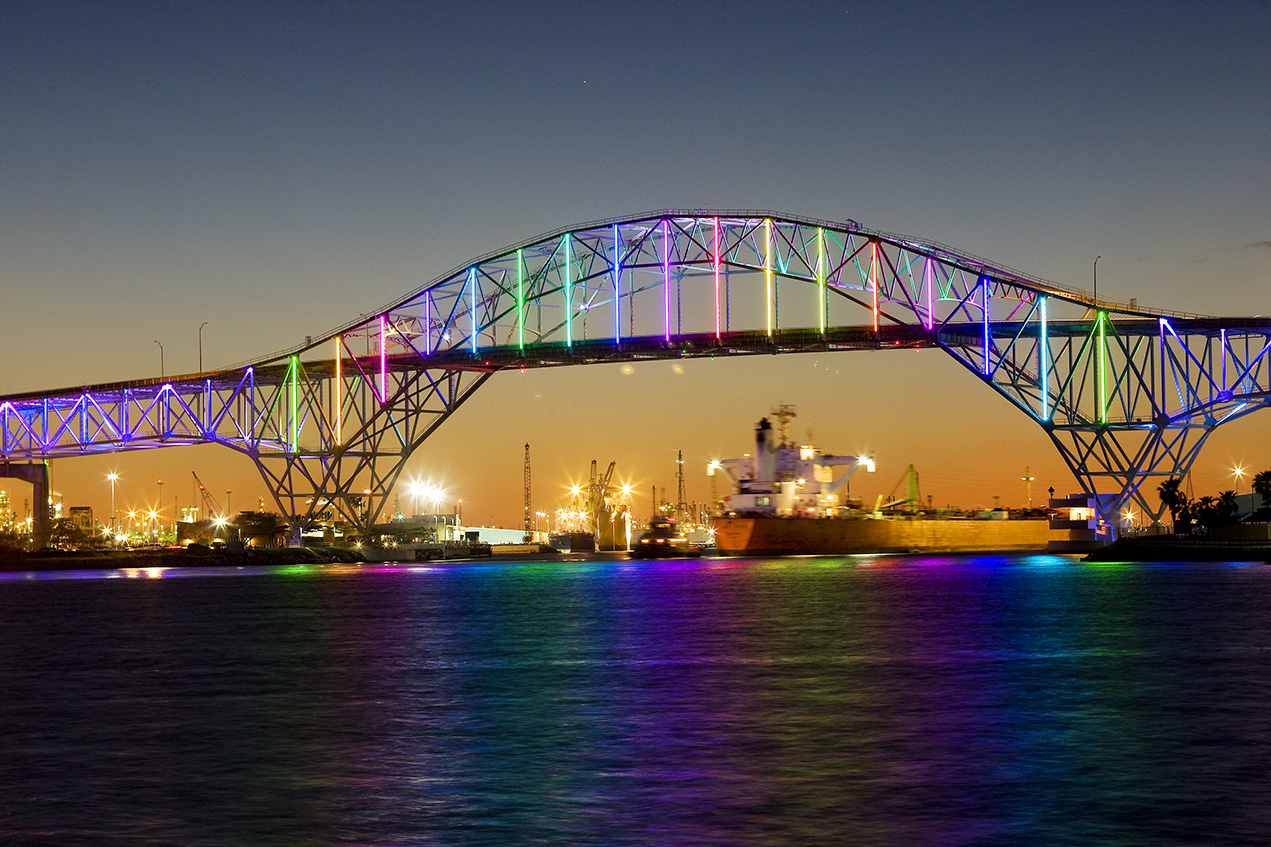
[[864, 701]]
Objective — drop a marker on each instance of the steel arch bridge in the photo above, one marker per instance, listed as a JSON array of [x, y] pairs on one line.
[[1126, 394]]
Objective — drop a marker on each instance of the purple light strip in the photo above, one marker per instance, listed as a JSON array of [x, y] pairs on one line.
[[927, 284], [666, 280]]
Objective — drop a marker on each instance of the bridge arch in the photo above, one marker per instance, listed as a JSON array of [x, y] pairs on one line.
[[1127, 394]]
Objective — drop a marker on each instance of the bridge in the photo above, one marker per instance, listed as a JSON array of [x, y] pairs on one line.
[[1127, 394]]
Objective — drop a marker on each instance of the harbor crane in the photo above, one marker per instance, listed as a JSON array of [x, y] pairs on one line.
[[209, 502]]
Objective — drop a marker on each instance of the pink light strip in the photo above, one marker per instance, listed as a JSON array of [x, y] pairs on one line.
[[383, 364], [873, 278], [716, 260]]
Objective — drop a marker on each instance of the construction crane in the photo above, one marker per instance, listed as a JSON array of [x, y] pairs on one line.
[[209, 502]]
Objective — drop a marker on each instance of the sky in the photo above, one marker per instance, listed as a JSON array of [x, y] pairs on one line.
[[275, 169]]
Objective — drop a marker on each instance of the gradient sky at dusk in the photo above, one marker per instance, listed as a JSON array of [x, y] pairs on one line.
[[275, 169]]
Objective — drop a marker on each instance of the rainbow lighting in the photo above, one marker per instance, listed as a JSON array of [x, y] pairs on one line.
[[1171, 382]]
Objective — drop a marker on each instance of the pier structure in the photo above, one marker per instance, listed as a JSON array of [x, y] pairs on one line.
[[1127, 394]]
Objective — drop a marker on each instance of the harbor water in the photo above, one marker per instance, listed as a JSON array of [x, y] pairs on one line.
[[864, 700]]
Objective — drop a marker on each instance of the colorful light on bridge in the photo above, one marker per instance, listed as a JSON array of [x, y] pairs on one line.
[[384, 364], [767, 274], [820, 278], [715, 261], [520, 300], [569, 296], [928, 284], [1042, 358], [294, 381], [472, 306], [1103, 386], [666, 281], [984, 290], [338, 412], [617, 288], [873, 278]]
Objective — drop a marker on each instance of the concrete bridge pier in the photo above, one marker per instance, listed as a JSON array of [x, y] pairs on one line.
[[38, 476]]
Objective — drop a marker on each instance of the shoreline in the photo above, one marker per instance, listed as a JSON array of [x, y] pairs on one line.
[[174, 557]]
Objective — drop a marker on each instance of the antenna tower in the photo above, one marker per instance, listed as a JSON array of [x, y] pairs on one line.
[[681, 507], [529, 536]]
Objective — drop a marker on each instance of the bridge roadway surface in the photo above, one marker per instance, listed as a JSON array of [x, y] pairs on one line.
[[637, 349]]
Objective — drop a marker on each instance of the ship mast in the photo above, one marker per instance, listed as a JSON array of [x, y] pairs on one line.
[[783, 414]]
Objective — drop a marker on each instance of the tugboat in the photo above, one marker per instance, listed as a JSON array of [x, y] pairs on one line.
[[662, 540]]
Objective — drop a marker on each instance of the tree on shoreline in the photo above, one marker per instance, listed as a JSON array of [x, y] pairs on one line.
[[1175, 499], [1262, 487]]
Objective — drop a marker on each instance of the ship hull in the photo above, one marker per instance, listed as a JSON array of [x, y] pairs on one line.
[[775, 536]]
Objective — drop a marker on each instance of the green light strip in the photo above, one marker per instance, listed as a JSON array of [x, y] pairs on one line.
[[569, 303], [295, 400], [520, 300], [820, 277], [1103, 384]]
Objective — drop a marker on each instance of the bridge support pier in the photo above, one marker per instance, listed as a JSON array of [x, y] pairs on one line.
[[38, 476]]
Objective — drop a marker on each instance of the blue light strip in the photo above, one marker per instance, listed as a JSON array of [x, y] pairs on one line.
[[472, 305], [984, 287], [617, 288], [1043, 356]]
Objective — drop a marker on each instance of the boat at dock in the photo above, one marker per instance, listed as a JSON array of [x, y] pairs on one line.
[[662, 540], [792, 499]]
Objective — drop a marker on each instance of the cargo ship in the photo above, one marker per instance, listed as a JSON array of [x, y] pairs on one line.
[[792, 500]]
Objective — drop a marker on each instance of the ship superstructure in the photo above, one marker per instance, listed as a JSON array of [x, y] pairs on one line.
[[783, 479]]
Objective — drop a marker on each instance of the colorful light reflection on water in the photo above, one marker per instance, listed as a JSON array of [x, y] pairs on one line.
[[862, 700]]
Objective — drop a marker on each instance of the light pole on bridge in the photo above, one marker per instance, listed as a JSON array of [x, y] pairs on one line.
[[1096, 282], [201, 345], [156, 341]]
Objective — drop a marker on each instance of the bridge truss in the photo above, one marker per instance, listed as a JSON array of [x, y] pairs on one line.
[[1126, 394]]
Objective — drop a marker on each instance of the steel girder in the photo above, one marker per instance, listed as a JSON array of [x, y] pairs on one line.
[[1125, 393]]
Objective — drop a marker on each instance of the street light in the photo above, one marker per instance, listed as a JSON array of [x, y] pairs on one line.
[[1239, 473], [112, 476], [156, 341], [201, 345], [1096, 282]]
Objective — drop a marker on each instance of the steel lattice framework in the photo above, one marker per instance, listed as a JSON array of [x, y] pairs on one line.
[[1125, 393]]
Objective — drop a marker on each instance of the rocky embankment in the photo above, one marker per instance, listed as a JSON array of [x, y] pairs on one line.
[[48, 560]]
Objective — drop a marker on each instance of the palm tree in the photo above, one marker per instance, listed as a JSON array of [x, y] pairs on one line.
[[1206, 511], [1175, 499], [1227, 507], [1262, 487]]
